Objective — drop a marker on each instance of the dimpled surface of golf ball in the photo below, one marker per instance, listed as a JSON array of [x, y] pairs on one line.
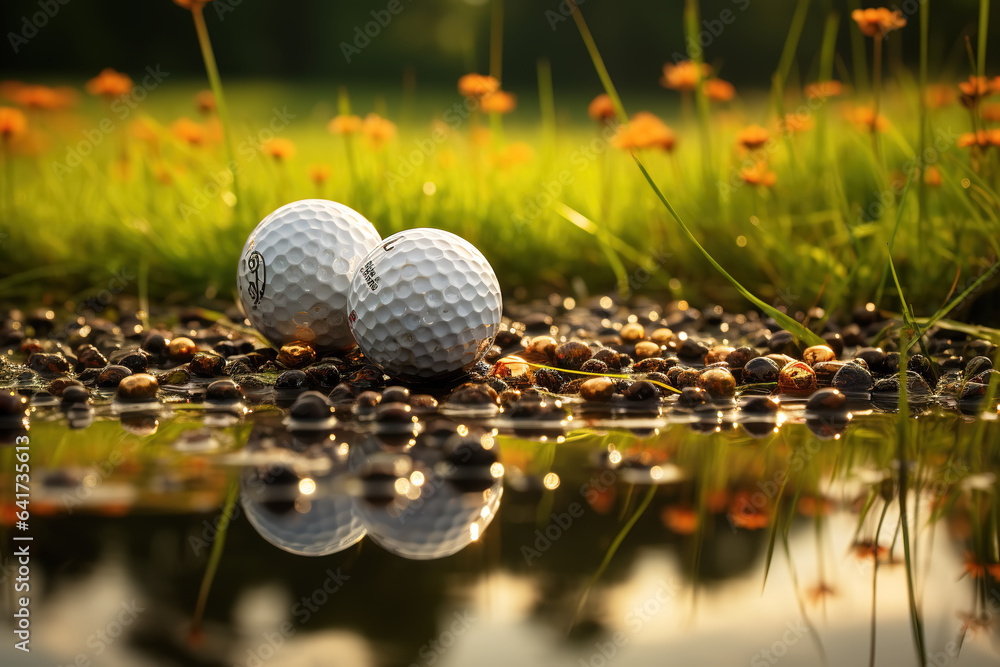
[[296, 268], [311, 526], [424, 304]]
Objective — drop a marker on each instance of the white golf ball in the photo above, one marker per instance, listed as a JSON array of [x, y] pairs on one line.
[[296, 268], [424, 305]]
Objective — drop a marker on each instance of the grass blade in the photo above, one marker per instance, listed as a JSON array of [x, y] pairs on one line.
[[595, 56], [801, 333]]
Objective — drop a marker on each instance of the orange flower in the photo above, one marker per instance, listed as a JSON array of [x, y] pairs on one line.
[[932, 176], [758, 174], [601, 108], [752, 137], [516, 153], [43, 97], [319, 173], [344, 125], [477, 85], [189, 131], [279, 148], [797, 122], [824, 89], [718, 90], [498, 101], [869, 551], [680, 520], [973, 90], [12, 123], [880, 21], [204, 101], [645, 131], [978, 570], [990, 113], [981, 138], [378, 130], [109, 84], [940, 95], [864, 118], [814, 506], [685, 75]]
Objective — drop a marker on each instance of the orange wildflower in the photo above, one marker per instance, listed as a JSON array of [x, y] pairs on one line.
[[680, 520], [645, 131], [378, 130], [685, 75], [12, 122], [344, 125], [601, 108], [718, 90], [940, 95], [864, 118], [188, 131], [752, 137], [477, 85], [990, 113], [870, 551], [319, 173], [514, 154], [279, 148], [981, 138], [758, 174], [973, 90], [797, 122], [979, 570], [824, 89], [498, 101], [109, 83], [204, 101], [191, 4], [744, 514], [878, 21], [43, 97], [932, 176]]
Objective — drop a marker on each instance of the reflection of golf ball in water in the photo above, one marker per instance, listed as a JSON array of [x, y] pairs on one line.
[[424, 304], [290, 512], [296, 268]]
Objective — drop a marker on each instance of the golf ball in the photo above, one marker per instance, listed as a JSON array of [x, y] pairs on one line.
[[424, 305], [296, 268]]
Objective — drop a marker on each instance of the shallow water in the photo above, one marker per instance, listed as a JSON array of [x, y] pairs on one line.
[[597, 540]]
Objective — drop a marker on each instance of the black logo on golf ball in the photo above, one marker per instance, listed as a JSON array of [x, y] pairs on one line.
[[256, 277], [368, 273]]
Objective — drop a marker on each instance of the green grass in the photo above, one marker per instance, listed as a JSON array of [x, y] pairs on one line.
[[819, 235]]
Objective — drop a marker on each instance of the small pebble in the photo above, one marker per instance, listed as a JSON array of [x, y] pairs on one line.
[[759, 405], [207, 364], [293, 380], [818, 353], [572, 355], [632, 332], [111, 376], [598, 389], [311, 406], [718, 353], [395, 395], [760, 370], [827, 400], [852, 378], [75, 395], [137, 388], [474, 394], [223, 391], [296, 355], [797, 378], [48, 364], [718, 382], [641, 390], [181, 349], [693, 397]]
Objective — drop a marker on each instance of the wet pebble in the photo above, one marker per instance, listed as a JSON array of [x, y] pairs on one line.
[[181, 349], [75, 395], [641, 390], [293, 380], [852, 378], [48, 364], [827, 400], [572, 355], [325, 375], [88, 356], [311, 406], [718, 382], [12, 404], [474, 394], [175, 376], [760, 370], [692, 351], [59, 385], [718, 353], [976, 365], [395, 394], [693, 398], [549, 380], [137, 362], [797, 378], [598, 389], [818, 353], [632, 332], [296, 355], [614, 360], [137, 388], [759, 405], [594, 366], [207, 364], [111, 376], [223, 391]]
